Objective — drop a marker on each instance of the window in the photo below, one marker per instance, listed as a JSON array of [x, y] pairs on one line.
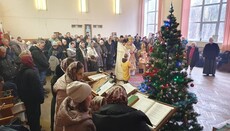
[[151, 16], [206, 20], [41, 4]]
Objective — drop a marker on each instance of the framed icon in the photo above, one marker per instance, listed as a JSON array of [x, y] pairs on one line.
[[88, 29]]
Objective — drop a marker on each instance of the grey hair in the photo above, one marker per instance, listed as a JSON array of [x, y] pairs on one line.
[[25, 52], [194, 43]]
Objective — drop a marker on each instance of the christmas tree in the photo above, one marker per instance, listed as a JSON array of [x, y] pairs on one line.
[[166, 78]]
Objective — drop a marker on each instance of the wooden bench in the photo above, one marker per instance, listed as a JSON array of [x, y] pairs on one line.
[[10, 110], [6, 114]]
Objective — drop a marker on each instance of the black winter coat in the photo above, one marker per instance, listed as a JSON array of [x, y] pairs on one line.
[[39, 58], [211, 51], [118, 117], [30, 90], [8, 68], [79, 55]]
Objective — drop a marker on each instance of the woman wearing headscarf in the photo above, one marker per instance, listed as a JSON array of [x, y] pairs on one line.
[[59, 71], [73, 113], [81, 55], [71, 51], [118, 116], [74, 72], [30, 91], [92, 57]]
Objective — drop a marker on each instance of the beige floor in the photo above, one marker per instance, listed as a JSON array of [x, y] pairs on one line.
[[213, 99], [45, 115]]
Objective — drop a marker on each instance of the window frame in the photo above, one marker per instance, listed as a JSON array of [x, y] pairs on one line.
[[146, 18], [202, 22]]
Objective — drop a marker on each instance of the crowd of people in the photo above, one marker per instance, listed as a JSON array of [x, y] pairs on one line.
[[24, 67]]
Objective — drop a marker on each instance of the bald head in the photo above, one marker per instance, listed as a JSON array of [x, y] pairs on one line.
[[210, 40]]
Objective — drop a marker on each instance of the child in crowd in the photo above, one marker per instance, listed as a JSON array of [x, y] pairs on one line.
[[126, 65], [143, 57]]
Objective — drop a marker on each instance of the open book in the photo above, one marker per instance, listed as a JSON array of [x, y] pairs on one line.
[[101, 90], [97, 76], [129, 89], [157, 112], [97, 84]]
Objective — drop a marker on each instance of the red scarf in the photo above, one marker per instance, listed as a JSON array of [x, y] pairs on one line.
[[27, 60]]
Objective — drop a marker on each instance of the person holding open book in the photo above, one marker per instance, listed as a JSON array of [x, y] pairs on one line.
[[59, 71], [73, 113], [116, 115], [74, 72]]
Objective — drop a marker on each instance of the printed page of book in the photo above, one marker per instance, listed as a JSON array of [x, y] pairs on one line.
[[158, 112], [143, 104], [99, 83], [152, 128], [141, 95], [129, 88], [97, 76], [104, 87]]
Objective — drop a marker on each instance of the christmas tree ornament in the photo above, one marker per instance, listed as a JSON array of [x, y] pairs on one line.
[[192, 85], [166, 23]]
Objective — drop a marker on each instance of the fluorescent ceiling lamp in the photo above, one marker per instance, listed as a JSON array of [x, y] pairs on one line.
[[117, 7], [41, 4], [84, 6]]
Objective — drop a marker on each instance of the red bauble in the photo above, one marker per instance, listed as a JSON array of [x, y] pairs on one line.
[[164, 86], [151, 74], [151, 49]]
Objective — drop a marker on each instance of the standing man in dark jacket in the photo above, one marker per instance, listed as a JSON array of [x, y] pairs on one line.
[[8, 67], [210, 53], [40, 59], [111, 52], [30, 91]]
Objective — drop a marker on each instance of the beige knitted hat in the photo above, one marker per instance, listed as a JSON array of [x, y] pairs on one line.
[[78, 91]]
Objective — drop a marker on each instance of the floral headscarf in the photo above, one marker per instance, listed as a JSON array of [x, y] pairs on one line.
[[72, 70], [64, 64], [117, 95]]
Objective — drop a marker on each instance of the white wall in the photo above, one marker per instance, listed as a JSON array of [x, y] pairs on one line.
[[1, 20], [21, 18], [177, 6]]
